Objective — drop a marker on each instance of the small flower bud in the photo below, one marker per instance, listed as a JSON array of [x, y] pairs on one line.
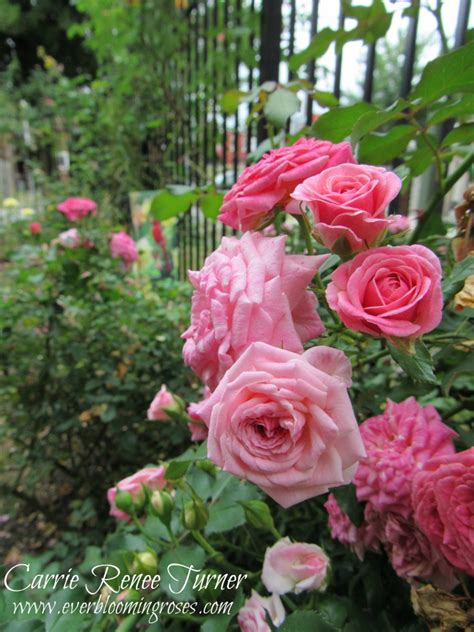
[[124, 502], [206, 466], [257, 514], [161, 504], [195, 515], [145, 563]]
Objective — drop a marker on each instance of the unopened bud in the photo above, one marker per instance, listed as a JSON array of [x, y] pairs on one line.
[[195, 515], [206, 466], [145, 563], [257, 513], [124, 502], [161, 504]]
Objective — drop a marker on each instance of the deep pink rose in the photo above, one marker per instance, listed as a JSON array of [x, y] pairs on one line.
[[163, 399], [280, 420], [123, 247], [443, 497], [413, 556], [294, 567], [399, 443], [349, 204], [392, 291], [70, 238], [269, 182], [35, 228], [75, 208], [358, 539], [249, 290], [151, 477], [252, 616]]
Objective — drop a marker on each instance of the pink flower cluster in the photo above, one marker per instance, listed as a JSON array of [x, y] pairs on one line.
[[75, 208], [409, 451], [150, 477], [123, 247]]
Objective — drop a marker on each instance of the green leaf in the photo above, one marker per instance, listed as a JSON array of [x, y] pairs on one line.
[[173, 575], [316, 48], [280, 105], [229, 101], [446, 75], [211, 203], [455, 281], [420, 159], [463, 134], [325, 99], [373, 120], [418, 365], [337, 124], [347, 501], [306, 621], [373, 20], [227, 513], [166, 205], [464, 106], [379, 149], [176, 469]]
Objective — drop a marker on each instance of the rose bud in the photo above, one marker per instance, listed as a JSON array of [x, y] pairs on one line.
[[195, 515], [161, 504]]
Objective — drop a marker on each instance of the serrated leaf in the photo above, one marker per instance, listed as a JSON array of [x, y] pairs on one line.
[[419, 160], [229, 101], [279, 106], [173, 570], [463, 134], [446, 75], [454, 282], [337, 124], [211, 203], [465, 106], [166, 205], [380, 149], [418, 365], [176, 469], [325, 99], [373, 120]]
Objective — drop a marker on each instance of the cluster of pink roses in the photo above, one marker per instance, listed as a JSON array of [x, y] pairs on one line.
[[122, 246], [288, 567], [419, 496], [153, 478], [75, 208]]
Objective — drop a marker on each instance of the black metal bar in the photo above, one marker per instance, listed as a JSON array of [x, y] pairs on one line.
[[270, 35], [250, 82], [291, 43], [224, 117], [197, 135], [215, 22], [461, 24], [338, 66], [410, 53], [311, 68], [237, 23], [369, 73]]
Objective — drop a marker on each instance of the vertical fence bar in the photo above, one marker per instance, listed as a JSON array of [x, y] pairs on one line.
[[224, 116], [410, 52], [311, 68], [369, 73], [338, 67], [270, 36], [250, 81], [215, 22], [197, 136], [291, 44], [461, 24]]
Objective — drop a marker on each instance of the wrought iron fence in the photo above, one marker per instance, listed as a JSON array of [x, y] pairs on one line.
[[239, 44]]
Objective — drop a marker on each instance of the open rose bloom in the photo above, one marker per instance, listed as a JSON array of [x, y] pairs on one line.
[[285, 422], [75, 208], [123, 247]]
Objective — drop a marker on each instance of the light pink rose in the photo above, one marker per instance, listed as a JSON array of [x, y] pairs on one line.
[[198, 428], [349, 205], [294, 567], [163, 399], [151, 477], [123, 247], [70, 238], [399, 443], [412, 555], [443, 497], [279, 420], [249, 290], [358, 539], [392, 291], [269, 183], [252, 616], [75, 208]]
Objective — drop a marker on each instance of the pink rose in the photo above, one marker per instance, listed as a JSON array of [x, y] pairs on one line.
[[35, 228], [151, 477], [412, 555], [443, 497], [358, 539], [249, 290], [392, 291], [349, 203], [269, 183], [163, 399], [123, 247], [198, 428], [75, 208], [294, 567], [253, 614], [70, 238], [280, 420], [399, 443]]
